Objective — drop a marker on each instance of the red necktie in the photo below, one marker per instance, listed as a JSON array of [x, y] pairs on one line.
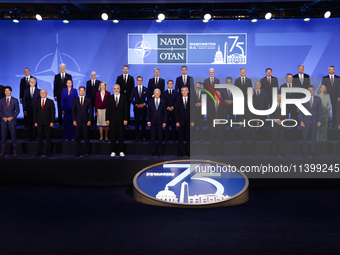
[[81, 102], [269, 81], [42, 104], [7, 102]]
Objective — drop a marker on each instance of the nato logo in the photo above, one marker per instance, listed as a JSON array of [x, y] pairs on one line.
[[191, 183], [157, 48]]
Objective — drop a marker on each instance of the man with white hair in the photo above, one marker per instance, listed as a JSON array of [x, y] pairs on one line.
[[211, 80], [156, 82], [92, 87], [60, 84]]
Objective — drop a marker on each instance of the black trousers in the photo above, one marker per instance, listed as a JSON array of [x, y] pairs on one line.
[[334, 110], [156, 132], [278, 132], [184, 132], [94, 117], [170, 122], [82, 129], [140, 119], [117, 132], [244, 134], [60, 115], [44, 131], [198, 128], [217, 137], [230, 117], [291, 109], [32, 132]]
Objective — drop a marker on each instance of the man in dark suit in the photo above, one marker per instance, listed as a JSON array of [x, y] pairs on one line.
[[44, 114], [139, 99], [332, 83], [170, 96], [60, 84], [243, 82], [92, 87], [195, 97], [268, 83], [9, 110], [2, 91], [228, 103], [31, 95], [24, 84], [82, 116], [156, 120], [309, 123], [260, 102], [126, 83], [183, 122], [301, 79], [156, 82], [117, 109], [211, 80], [184, 80], [291, 108], [278, 130], [216, 130]]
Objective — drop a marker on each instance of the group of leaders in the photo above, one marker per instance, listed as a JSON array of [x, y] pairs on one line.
[[161, 108]]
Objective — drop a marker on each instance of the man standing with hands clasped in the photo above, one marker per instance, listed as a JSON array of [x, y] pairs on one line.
[[82, 116]]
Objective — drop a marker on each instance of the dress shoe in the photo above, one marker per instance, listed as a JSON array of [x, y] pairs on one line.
[[127, 126], [30, 139], [77, 155], [180, 154], [38, 154], [15, 154], [106, 140], [153, 154], [165, 140], [100, 139], [173, 140], [136, 140], [86, 155], [188, 155], [113, 154], [144, 140], [2, 154], [160, 155], [121, 154], [48, 154]]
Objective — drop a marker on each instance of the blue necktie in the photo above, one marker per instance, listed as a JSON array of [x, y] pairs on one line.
[[185, 103], [156, 104]]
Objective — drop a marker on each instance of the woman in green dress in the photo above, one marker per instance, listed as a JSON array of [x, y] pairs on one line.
[[322, 132]]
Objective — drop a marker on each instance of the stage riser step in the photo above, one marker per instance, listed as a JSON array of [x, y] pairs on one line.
[[197, 148]]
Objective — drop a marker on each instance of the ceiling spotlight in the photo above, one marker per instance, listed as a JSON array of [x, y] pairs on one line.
[[207, 16], [253, 15], [38, 16], [105, 16], [205, 21], [115, 16], [158, 20], [161, 15], [305, 13], [327, 14], [268, 15], [16, 16], [39, 12]]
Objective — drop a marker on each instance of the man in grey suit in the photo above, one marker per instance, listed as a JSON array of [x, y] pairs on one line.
[[9, 110], [211, 80], [309, 123], [243, 82]]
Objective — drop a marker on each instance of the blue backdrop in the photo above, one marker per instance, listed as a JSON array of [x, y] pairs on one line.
[[103, 47]]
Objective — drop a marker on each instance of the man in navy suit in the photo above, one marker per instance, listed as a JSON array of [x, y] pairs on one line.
[[291, 108], [31, 95], [116, 118], [301, 79], [156, 119], [217, 136], [184, 80], [82, 116], [228, 102], [260, 102], [243, 82], [332, 82], [126, 83], [92, 87], [278, 130], [60, 84], [139, 99], [196, 96], [309, 123], [9, 110], [170, 96], [268, 83], [183, 122], [156, 82], [44, 114], [211, 80]]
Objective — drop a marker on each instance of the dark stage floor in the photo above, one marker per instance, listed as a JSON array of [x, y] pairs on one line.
[[108, 221]]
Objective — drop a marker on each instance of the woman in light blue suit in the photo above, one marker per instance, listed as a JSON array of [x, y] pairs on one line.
[[67, 96]]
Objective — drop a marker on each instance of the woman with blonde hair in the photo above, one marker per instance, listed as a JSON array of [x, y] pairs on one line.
[[101, 100], [321, 135]]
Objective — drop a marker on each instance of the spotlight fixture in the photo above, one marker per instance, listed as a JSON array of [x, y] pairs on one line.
[[158, 21], [267, 11], [65, 16], [305, 12], [205, 21], [160, 15], [39, 12], [207, 14], [327, 14], [253, 15], [38, 16], [115, 16], [105, 16], [16, 15]]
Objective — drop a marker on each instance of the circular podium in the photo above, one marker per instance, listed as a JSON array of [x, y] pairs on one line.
[[190, 184]]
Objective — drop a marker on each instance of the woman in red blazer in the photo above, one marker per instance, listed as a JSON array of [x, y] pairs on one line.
[[100, 108]]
